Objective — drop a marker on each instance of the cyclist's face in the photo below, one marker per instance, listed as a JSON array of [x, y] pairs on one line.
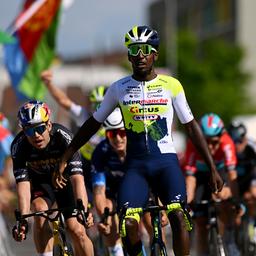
[[38, 135], [117, 139], [241, 145], [213, 144], [142, 65]]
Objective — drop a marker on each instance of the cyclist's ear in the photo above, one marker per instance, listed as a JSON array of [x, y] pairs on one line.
[[155, 56], [49, 125]]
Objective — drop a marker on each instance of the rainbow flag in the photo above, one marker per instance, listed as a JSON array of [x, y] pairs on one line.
[[35, 31]]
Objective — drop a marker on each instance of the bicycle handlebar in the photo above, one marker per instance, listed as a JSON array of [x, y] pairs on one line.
[[152, 208], [46, 214], [107, 213]]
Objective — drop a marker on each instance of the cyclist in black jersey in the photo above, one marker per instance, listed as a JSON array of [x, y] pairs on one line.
[[35, 152], [246, 169], [246, 156], [148, 101]]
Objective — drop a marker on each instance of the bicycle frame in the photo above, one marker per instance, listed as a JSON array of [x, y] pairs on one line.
[[157, 245], [59, 238]]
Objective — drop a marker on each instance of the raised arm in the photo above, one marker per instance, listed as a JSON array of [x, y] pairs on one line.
[[59, 95], [195, 134]]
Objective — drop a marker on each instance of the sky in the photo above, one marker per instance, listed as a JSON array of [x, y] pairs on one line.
[[89, 26]]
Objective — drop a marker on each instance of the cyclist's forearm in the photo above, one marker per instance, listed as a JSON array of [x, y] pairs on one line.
[[89, 128], [59, 95], [99, 198], [79, 189], [24, 196], [191, 187], [233, 183]]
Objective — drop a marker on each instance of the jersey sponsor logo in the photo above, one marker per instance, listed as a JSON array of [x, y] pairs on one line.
[[151, 95], [65, 135], [43, 166], [18, 171], [151, 91], [15, 146], [144, 110], [20, 177], [178, 197], [163, 142], [126, 81], [76, 163], [190, 112], [76, 170], [154, 87], [134, 90], [134, 95], [145, 117], [146, 102]]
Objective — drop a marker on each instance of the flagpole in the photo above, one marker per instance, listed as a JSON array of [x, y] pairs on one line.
[[27, 15]]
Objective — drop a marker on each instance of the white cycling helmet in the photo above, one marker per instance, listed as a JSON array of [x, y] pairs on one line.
[[114, 120], [33, 112]]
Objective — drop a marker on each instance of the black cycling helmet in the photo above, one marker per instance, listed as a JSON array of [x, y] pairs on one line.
[[142, 35], [237, 131]]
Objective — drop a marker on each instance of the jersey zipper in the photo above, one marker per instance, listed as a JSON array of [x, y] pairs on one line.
[[144, 117]]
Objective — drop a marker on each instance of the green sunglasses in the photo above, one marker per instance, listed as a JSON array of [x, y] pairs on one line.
[[145, 49]]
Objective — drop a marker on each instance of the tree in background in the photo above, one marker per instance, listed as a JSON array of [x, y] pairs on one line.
[[212, 76]]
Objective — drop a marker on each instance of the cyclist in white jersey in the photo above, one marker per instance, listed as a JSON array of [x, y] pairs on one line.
[[148, 101]]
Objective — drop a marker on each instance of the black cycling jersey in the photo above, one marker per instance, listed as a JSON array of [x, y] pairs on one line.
[[107, 169], [36, 165], [246, 167]]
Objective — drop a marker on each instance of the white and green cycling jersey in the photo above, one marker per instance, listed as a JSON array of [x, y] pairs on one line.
[[148, 109]]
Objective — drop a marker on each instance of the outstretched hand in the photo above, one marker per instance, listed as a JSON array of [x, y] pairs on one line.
[[20, 234], [58, 179], [104, 228], [216, 182], [47, 76]]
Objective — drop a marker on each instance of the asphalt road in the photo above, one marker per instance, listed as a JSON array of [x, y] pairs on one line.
[[26, 248]]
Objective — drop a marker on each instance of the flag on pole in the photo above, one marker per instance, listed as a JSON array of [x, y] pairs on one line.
[[5, 38], [35, 32]]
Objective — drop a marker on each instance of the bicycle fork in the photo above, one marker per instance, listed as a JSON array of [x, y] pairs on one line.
[[58, 237]]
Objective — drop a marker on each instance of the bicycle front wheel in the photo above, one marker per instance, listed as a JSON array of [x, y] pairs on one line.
[[58, 250], [158, 250], [216, 246]]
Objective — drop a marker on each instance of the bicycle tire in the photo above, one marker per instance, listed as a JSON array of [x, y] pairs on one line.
[[58, 250], [158, 250], [66, 248], [216, 246]]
